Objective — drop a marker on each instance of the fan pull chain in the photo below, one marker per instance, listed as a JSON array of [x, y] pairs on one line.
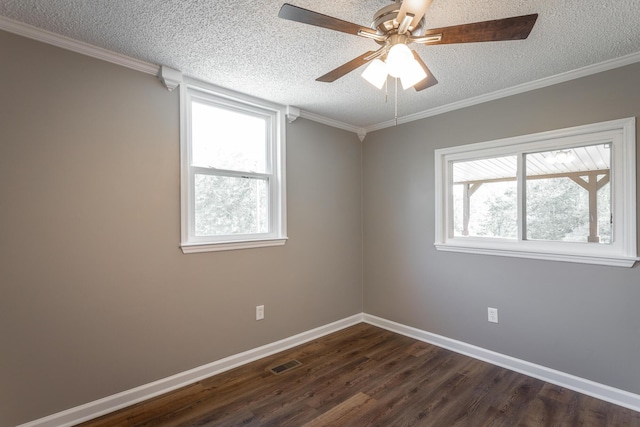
[[386, 91], [396, 101]]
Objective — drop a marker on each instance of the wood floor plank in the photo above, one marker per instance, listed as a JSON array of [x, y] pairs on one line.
[[420, 402], [509, 411], [346, 413], [552, 403], [488, 384], [362, 376]]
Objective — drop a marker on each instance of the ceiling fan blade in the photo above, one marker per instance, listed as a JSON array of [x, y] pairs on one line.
[[417, 8], [344, 69], [516, 28], [428, 81], [305, 16]]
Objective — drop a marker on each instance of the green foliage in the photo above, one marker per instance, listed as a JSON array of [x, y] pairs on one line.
[[230, 205], [557, 210], [501, 215]]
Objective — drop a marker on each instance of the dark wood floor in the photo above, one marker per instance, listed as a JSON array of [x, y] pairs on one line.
[[364, 376]]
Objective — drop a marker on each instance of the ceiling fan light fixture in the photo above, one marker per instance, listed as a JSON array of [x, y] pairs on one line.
[[401, 23], [398, 59], [412, 74], [376, 73]]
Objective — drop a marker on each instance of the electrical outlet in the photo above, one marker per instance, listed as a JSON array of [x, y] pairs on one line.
[[259, 312], [493, 315]]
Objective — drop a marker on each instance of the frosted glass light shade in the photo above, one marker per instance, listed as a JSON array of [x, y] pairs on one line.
[[398, 59], [376, 73], [412, 74]]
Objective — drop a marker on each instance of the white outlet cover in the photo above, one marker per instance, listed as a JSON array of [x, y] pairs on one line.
[[259, 312], [492, 315]]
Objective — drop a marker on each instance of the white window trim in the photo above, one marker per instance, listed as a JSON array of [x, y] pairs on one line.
[[623, 250], [277, 236]]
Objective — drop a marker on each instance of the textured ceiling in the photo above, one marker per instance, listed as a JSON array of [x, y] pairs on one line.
[[244, 46]]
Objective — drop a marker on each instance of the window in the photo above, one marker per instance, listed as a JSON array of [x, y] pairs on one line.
[[565, 195], [232, 164]]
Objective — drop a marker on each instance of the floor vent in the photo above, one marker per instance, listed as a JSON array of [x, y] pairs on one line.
[[285, 367]]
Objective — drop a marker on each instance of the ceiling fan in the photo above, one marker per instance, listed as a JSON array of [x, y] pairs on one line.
[[398, 25]]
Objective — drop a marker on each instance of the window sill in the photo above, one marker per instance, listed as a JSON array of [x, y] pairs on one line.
[[618, 261], [192, 248]]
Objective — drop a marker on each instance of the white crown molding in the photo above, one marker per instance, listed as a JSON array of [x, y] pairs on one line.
[[64, 42], [334, 123], [170, 78], [68, 43], [572, 382], [97, 408], [292, 113], [525, 87]]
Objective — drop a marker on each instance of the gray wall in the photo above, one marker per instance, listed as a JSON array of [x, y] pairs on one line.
[[579, 319], [95, 295]]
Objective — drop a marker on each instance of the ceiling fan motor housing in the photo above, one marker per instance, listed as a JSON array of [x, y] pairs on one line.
[[385, 22]]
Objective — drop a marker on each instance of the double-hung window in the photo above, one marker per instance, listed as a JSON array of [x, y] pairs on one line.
[[565, 195], [232, 167]]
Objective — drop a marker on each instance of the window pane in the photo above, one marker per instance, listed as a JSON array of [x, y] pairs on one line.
[[604, 214], [568, 195], [227, 139], [485, 198], [230, 205]]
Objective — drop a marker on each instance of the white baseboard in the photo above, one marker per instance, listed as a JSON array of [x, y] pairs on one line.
[[581, 385], [118, 401], [100, 407]]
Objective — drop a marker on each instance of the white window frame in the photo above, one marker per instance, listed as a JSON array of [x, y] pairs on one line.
[[191, 89], [621, 252]]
